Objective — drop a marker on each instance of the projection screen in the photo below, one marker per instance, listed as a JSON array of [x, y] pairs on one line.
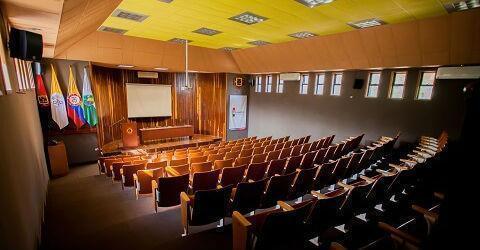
[[149, 100]]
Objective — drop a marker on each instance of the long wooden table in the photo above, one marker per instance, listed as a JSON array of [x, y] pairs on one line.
[[159, 133]]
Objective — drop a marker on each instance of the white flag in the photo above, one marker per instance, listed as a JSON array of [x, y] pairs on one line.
[[59, 110]]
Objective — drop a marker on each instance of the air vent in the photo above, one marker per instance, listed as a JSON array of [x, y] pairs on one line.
[[132, 16], [207, 31], [248, 18], [179, 40], [112, 30], [302, 34], [147, 74], [258, 43], [228, 48], [462, 5], [314, 3], [367, 23]]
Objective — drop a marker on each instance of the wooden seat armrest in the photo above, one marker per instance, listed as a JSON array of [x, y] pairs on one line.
[[318, 195], [377, 144], [438, 195], [398, 167], [385, 173], [219, 186], [370, 147], [408, 161], [154, 184], [284, 206], [429, 215], [172, 171], [386, 138], [330, 161], [367, 179], [241, 229], [184, 205], [346, 186], [402, 235], [135, 177]]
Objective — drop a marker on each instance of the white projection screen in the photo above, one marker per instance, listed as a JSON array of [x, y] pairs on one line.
[[149, 100]]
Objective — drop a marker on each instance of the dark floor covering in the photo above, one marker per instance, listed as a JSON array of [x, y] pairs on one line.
[[88, 211]]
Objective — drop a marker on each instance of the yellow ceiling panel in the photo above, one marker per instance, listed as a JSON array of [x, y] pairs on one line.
[[179, 18]]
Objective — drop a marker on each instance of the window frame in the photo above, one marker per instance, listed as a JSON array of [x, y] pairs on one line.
[[419, 85], [277, 88], [333, 83], [258, 84], [268, 83], [369, 83], [317, 76], [300, 91], [392, 84]]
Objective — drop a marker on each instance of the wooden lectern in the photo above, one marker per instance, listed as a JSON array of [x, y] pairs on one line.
[[130, 137]]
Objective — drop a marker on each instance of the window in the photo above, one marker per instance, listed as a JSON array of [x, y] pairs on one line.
[[319, 84], [258, 84], [398, 85], [336, 84], [304, 84], [279, 85], [268, 84], [373, 83], [425, 88]]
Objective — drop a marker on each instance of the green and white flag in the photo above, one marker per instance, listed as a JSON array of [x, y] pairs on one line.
[[89, 109]]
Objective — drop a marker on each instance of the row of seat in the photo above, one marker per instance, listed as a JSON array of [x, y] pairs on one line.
[[291, 225]]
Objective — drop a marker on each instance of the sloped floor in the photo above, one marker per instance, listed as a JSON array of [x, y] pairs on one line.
[[88, 211]]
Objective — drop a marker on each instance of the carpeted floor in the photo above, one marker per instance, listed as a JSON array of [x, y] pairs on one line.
[[88, 211]]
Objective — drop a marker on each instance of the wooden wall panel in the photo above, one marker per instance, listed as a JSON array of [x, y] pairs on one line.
[[195, 106]]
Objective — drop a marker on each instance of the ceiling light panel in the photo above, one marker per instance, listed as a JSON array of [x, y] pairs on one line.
[[248, 18], [112, 30], [132, 16], [462, 5], [367, 23], [258, 43], [302, 35], [228, 48], [179, 40], [166, 1], [207, 31], [313, 3]]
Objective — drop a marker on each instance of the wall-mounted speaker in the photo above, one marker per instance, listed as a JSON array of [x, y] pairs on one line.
[[358, 84], [25, 45], [250, 80]]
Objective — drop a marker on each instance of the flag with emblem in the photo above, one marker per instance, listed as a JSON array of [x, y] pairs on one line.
[[58, 108], [42, 96], [74, 101], [89, 109]]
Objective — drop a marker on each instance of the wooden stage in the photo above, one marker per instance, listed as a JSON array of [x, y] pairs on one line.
[[116, 146]]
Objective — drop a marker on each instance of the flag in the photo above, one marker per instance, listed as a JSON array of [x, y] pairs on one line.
[[89, 109], [59, 111], [42, 96], [74, 102]]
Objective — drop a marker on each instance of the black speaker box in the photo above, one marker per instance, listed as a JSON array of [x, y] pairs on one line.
[[358, 84], [25, 45]]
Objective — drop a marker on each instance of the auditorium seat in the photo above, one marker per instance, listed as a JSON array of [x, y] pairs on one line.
[[158, 164], [286, 152], [127, 172], [167, 190], [339, 169], [269, 148], [352, 164], [276, 167], [258, 158], [297, 150], [324, 175], [214, 157], [198, 159], [200, 167], [305, 148], [243, 161], [279, 146], [108, 165], [258, 144], [258, 150], [247, 196], [192, 155], [232, 155], [178, 162], [330, 153], [219, 164], [307, 160], [237, 148], [293, 163], [256, 171], [277, 189], [115, 169], [287, 144], [177, 170], [246, 152], [232, 175], [204, 180], [275, 229], [143, 180], [204, 207], [303, 183], [273, 155]]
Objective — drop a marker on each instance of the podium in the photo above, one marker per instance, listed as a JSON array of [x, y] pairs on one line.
[[130, 137]]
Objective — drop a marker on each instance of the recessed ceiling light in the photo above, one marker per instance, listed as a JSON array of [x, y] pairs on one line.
[[302, 34], [462, 5], [179, 40], [125, 14], [228, 48], [166, 1], [367, 23], [160, 68], [207, 31], [313, 3], [125, 66], [258, 43], [248, 18], [112, 30]]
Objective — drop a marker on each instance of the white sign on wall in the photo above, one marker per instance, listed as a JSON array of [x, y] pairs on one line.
[[238, 112]]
